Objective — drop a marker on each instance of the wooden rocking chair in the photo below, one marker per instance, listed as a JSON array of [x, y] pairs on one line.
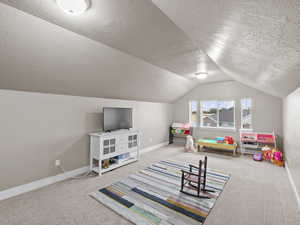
[[195, 181]]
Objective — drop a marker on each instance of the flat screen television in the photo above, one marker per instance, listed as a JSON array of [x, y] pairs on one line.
[[116, 118]]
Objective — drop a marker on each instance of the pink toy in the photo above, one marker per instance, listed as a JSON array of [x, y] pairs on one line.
[[277, 156]]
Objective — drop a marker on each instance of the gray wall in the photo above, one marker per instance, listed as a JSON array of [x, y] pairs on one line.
[[291, 119], [266, 113], [38, 128], [42, 57]]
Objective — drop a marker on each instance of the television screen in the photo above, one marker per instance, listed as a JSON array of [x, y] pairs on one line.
[[117, 118]]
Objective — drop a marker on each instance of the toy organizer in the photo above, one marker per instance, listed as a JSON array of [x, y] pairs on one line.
[[179, 130], [252, 143]]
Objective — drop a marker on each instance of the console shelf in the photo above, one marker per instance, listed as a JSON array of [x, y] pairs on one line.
[[111, 150]]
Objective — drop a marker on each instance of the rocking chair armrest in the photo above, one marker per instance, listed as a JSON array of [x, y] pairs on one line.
[[196, 167], [190, 173]]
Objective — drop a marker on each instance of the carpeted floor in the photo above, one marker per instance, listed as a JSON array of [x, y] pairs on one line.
[[257, 194], [152, 195]]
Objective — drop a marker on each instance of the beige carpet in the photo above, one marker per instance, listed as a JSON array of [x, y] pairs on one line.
[[257, 194]]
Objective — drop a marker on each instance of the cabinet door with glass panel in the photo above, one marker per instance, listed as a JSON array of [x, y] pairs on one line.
[[109, 145], [132, 141]]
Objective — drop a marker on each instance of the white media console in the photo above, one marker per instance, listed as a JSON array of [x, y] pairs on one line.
[[110, 150]]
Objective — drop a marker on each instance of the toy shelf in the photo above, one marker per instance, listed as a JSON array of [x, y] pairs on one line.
[[253, 142], [179, 130]]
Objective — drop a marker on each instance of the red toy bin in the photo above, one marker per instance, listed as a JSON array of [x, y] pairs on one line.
[[265, 138], [187, 132]]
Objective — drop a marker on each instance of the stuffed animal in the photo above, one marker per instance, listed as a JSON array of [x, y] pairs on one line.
[[189, 146]]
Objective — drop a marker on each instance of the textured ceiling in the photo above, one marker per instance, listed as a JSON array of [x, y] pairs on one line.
[[136, 27], [256, 42], [252, 41]]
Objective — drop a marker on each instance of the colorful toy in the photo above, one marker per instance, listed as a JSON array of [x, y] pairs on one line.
[[258, 157], [220, 139], [229, 140], [267, 153], [180, 130], [273, 155], [277, 157]]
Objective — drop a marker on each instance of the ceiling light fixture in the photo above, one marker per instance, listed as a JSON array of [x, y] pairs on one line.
[[74, 7], [201, 75]]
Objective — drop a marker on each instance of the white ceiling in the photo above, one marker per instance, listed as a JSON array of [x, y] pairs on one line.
[[255, 42]]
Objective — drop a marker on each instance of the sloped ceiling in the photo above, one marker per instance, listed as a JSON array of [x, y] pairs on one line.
[[140, 29], [252, 41], [41, 57], [256, 42]]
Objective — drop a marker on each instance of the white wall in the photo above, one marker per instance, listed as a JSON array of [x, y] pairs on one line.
[[266, 113], [291, 119], [38, 128]]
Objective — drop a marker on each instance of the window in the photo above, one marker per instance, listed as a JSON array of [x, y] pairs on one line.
[[193, 113], [218, 114], [246, 117], [226, 114], [209, 114]]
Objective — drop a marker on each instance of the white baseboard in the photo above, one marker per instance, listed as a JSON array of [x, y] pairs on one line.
[[11, 192], [41, 183], [293, 184], [153, 147]]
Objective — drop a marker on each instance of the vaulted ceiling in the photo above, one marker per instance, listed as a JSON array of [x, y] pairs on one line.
[[256, 42], [41, 57], [167, 41]]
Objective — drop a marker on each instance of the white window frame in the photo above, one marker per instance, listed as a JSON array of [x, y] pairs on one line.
[[190, 113], [218, 127], [251, 113]]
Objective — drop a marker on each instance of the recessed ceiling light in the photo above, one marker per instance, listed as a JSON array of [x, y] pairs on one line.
[[74, 7], [201, 75]]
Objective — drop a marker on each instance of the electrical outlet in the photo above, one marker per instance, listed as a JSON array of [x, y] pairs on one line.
[[57, 162], [150, 140]]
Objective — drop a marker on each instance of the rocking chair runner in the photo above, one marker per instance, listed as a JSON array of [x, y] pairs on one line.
[[195, 181]]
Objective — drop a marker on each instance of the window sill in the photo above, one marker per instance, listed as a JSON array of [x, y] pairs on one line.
[[229, 129], [246, 130]]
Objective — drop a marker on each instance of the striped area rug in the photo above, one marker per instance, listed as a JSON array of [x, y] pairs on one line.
[[152, 196]]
